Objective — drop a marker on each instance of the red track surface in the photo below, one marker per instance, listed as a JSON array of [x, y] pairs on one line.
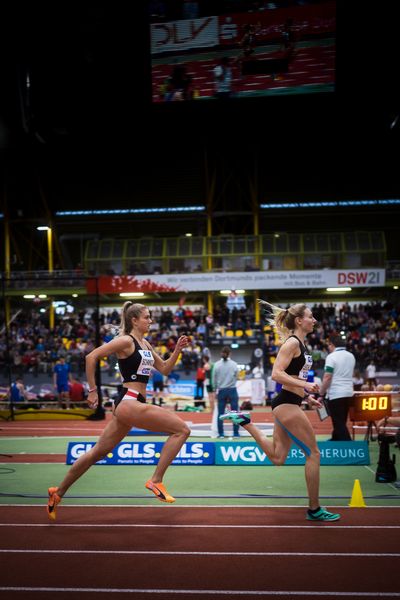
[[261, 552], [79, 427], [198, 552]]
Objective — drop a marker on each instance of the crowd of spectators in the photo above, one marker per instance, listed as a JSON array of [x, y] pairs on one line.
[[370, 331]]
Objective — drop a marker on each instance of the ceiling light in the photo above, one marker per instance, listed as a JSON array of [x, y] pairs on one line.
[[131, 294]]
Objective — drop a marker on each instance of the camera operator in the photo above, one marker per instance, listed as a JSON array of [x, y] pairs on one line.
[[394, 422]]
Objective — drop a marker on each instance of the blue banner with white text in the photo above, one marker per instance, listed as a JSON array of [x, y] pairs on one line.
[[145, 453], [332, 453]]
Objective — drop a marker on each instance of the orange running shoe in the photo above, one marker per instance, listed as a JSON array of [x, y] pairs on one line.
[[159, 490], [52, 502]]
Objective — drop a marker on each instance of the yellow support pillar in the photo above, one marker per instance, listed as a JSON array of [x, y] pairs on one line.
[[256, 308], [50, 248], [210, 305], [7, 265]]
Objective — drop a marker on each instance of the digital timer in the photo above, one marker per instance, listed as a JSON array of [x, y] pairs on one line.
[[370, 406]]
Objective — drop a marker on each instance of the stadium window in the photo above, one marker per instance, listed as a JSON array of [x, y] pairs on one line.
[[158, 247], [215, 246], [226, 246], [172, 247], [184, 246], [294, 242], [281, 243], [322, 242], [93, 248], [350, 241], [197, 246], [335, 241], [239, 245], [132, 248], [251, 244], [145, 247], [268, 243], [309, 242], [118, 248], [377, 240], [105, 249]]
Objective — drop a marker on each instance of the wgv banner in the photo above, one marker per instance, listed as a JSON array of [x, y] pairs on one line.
[[332, 453], [145, 453]]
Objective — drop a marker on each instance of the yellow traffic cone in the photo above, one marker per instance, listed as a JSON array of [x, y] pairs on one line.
[[357, 499]]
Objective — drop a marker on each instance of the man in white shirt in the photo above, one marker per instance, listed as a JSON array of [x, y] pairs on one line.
[[337, 383]]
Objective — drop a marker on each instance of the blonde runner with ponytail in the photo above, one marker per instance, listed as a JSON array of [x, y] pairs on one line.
[[284, 320]]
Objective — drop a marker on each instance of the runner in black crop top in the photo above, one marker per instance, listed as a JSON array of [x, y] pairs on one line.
[[137, 366], [130, 409], [291, 424], [300, 365]]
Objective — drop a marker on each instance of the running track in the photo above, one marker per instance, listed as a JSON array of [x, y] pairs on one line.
[[179, 552], [192, 552]]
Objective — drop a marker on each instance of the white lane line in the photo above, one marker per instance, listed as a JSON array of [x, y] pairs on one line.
[[56, 552], [162, 506], [195, 526], [289, 593]]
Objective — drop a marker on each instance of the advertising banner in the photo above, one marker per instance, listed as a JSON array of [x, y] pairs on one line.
[[252, 280], [184, 35], [145, 453], [221, 453], [332, 453]]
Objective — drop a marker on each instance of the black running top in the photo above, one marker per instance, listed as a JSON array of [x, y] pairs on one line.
[[300, 365], [137, 366]]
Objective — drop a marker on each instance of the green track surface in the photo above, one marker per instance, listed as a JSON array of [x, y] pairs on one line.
[[125, 484]]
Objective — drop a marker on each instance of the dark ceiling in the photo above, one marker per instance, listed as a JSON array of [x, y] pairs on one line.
[[90, 137]]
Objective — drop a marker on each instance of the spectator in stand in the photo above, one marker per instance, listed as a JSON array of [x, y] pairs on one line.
[[61, 378], [358, 380], [158, 387], [76, 391], [17, 392], [224, 381], [223, 79], [200, 379], [371, 375]]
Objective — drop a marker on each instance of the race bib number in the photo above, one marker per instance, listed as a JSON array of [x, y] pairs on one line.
[[307, 366], [146, 364]]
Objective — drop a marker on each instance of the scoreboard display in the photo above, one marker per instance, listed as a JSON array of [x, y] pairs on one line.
[[370, 406]]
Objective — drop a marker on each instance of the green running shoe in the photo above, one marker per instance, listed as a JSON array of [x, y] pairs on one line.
[[322, 515], [238, 418]]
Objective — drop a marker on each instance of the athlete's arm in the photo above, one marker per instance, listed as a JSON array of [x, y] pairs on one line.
[[165, 366], [119, 344]]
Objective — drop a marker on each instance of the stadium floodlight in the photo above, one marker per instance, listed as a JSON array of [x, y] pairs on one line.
[[43, 228], [338, 289]]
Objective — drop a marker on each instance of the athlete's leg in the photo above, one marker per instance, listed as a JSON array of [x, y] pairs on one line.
[[154, 418], [112, 434], [298, 424], [276, 449]]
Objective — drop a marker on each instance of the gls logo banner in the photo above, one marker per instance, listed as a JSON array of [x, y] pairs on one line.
[[332, 453], [145, 453]]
